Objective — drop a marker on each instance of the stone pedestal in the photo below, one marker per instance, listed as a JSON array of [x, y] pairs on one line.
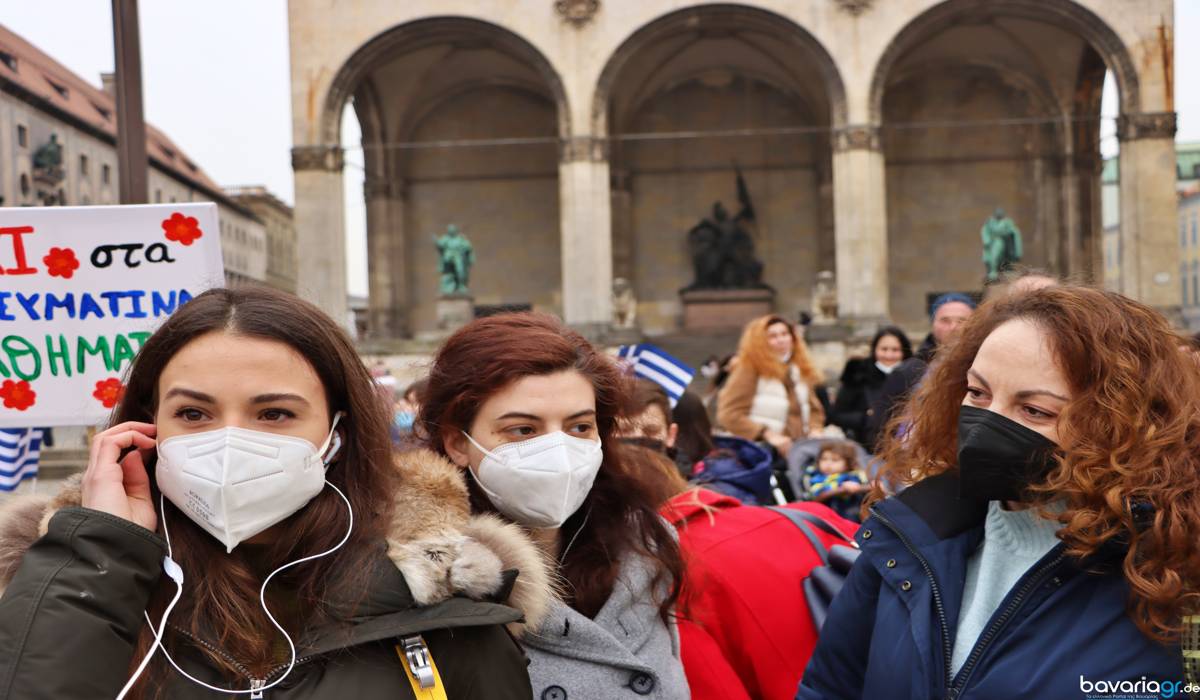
[[724, 309], [454, 311]]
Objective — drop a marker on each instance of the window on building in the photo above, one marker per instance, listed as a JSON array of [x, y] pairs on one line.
[[158, 196], [105, 173], [1195, 283], [22, 136], [1194, 226], [9, 60], [104, 113], [1183, 283], [83, 165], [24, 184], [1183, 233], [59, 88]]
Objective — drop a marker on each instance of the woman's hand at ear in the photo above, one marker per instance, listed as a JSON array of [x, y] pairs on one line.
[[117, 486]]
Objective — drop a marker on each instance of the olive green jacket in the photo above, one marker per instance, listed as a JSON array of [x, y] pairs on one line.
[[78, 580]]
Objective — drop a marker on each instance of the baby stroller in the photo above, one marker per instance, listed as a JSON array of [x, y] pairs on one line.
[[804, 454]]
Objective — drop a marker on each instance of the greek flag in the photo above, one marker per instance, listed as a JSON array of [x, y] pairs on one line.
[[19, 450], [650, 362]]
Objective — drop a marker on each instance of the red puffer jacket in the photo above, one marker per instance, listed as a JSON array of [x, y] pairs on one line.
[[745, 631]]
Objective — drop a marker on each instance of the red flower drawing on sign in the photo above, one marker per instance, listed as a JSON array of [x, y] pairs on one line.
[[18, 395], [61, 262], [184, 229], [109, 391]]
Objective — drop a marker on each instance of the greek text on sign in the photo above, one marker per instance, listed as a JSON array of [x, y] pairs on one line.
[[81, 289]]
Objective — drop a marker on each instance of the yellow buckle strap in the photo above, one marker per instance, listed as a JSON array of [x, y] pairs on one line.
[[419, 668]]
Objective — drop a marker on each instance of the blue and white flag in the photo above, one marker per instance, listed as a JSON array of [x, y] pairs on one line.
[[19, 450], [650, 362]]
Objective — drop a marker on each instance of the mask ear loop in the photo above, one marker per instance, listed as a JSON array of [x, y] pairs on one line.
[[261, 598]]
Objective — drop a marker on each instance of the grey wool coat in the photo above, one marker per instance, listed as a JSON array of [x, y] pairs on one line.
[[627, 651]]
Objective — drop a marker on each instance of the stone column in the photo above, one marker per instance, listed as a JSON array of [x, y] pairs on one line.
[[320, 230], [860, 227], [387, 270], [586, 221], [1149, 228]]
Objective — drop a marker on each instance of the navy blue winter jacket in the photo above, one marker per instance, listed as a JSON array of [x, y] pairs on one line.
[[738, 468], [891, 629]]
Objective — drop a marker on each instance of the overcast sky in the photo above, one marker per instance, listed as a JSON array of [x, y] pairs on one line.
[[217, 81]]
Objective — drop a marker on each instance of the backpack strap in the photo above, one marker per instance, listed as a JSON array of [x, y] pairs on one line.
[[419, 668]]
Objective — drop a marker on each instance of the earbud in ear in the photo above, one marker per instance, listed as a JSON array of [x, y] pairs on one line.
[[334, 448]]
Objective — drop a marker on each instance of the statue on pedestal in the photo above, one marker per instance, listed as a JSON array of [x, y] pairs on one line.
[[1001, 244], [456, 256], [723, 251]]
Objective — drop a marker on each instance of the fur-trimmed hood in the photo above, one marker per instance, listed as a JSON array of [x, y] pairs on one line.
[[439, 547]]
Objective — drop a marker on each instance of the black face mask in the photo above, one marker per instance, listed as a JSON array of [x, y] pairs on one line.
[[998, 458]]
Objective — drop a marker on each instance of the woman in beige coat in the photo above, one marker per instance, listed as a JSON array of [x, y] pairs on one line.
[[771, 395]]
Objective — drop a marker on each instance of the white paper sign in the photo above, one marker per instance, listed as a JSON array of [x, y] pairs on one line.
[[81, 288]]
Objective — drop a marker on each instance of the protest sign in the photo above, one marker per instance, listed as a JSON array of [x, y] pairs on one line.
[[81, 288]]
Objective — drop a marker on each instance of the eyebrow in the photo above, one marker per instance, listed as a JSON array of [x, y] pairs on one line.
[[191, 394], [1027, 393], [530, 416], [261, 398]]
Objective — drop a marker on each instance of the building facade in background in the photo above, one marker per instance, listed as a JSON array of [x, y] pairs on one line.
[[276, 217], [43, 105], [1187, 181], [1189, 259], [577, 141]]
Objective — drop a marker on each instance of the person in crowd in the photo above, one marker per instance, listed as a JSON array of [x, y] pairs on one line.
[[1020, 280], [836, 479], [528, 408], [725, 464], [243, 507], [771, 394], [745, 629], [862, 383], [948, 313], [1046, 539]]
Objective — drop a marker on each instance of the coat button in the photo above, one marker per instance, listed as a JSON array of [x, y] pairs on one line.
[[642, 684], [906, 585], [891, 563], [554, 692], [866, 534]]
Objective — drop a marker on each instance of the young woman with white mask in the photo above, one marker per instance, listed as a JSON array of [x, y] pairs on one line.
[[251, 450], [529, 408]]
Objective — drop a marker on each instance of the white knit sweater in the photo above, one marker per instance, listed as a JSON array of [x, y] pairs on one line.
[[1013, 541]]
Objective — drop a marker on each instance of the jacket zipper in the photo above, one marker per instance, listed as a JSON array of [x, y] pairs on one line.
[[947, 650], [256, 684], [989, 635]]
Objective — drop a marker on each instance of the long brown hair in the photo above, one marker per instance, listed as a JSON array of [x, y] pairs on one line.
[[754, 352], [1129, 438], [619, 517], [221, 594]]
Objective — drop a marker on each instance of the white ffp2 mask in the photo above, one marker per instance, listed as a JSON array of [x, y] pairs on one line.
[[234, 483], [539, 482]]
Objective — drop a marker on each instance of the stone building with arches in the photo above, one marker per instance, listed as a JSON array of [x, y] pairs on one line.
[[577, 141]]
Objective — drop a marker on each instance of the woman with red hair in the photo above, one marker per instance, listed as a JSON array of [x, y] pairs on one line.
[[529, 408], [771, 396], [1045, 545]]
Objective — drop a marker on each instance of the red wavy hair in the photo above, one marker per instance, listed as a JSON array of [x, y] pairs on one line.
[[1130, 435], [753, 351]]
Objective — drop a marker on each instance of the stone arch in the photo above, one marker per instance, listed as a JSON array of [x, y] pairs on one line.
[[746, 17], [1065, 13], [425, 32], [680, 102]]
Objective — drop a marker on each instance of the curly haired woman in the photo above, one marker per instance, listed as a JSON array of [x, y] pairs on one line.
[[1047, 537], [771, 395]]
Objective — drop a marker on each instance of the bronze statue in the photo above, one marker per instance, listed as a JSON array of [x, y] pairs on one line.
[[456, 256], [723, 251], [1001, 244]]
